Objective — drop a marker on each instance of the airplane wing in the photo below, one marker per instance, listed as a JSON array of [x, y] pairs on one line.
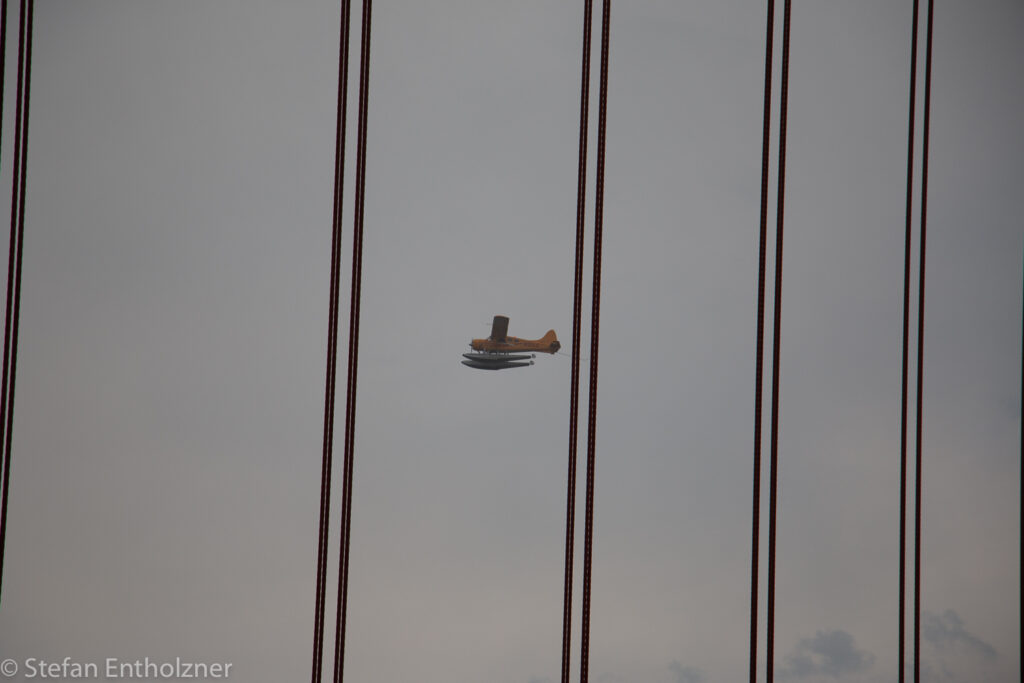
[[499, 328]]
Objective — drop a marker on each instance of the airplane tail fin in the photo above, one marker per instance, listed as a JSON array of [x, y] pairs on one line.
[[551, 341]]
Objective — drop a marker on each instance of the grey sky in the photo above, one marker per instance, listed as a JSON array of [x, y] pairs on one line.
[[169, 409]]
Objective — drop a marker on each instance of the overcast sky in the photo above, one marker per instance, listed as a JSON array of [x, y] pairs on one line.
[[167, 434]]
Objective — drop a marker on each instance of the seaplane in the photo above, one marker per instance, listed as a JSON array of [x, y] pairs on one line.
[[500, 351]]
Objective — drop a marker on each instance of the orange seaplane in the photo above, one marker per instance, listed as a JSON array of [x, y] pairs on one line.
[[500, 351]]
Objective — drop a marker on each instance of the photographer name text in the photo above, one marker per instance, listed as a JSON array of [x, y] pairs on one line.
[[113, 668]]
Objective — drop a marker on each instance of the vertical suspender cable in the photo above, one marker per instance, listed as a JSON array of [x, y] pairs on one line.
[[3, 58], [12, 249], [594, 338], [353, 344], [920, 339], [332, 347], [906, 347], [759, 362], [773, 491], [15, 259], [577, 306]]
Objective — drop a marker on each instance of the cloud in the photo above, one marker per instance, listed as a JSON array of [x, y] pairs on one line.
[[828, 653], [686, 674], [946, 632]]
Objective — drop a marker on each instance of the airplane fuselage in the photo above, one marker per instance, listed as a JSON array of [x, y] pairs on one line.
[[546, 344]]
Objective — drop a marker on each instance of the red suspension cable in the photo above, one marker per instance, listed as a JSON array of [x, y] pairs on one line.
[[906, 347], [774, 485], [594, 339], [920, 340], [759, 362], [577, 305], [353, 345], [3, 58], [332, 347], [15, 260]]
